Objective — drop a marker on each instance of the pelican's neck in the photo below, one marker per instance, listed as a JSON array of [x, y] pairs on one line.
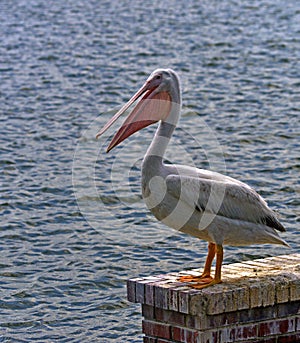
[[164, 132], [160, 141], [155, 153]]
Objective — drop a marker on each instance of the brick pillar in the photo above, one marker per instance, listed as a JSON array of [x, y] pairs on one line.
[[258, 301]]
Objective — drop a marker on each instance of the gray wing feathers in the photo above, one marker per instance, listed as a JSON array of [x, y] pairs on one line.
[[226, 198]]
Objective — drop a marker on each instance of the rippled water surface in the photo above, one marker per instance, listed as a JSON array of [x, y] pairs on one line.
[[66, 251]]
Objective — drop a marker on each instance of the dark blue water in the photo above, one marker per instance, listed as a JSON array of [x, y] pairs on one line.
[[73, 225]]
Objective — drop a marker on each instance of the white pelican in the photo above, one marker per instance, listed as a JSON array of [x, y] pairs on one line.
[[204, 204]]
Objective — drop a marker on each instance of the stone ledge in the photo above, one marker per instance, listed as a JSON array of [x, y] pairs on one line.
[[258, 301], [246, 285]]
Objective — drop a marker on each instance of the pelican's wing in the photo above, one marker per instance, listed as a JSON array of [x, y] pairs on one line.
[[226, 198]]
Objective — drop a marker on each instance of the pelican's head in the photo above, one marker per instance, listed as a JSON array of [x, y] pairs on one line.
[[165, 80], [160, 91]]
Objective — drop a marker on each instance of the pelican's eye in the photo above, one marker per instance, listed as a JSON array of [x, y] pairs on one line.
[[158, 77]]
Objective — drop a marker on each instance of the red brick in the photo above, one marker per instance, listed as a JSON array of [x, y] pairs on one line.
[[195, 322], [247, 331], [287, 325], [215, 303], [140, 292], [161, 296], [227, 334], [173, 299], [149, 294], [297, 324], [268, 328], [131, 290], [272, 339], [268, 293], [225, 319], [147, 339], [156, 329], [259, 314], [282, 289], [171, 317], [288, 309], [185, 335], [277, 327], [210, 337], [290, 338], [148, 312], [183, 301], [152, 284], [175, 313]]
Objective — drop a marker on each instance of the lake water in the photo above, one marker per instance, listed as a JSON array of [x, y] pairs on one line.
[[73, 225]]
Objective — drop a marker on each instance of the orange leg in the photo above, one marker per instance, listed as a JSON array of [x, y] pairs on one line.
[[205, 276], [217, 278], [209, 259]]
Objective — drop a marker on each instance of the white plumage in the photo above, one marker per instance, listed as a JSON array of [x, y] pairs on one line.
[[204, 204]]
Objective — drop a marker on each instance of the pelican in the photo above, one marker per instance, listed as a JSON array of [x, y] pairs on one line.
[[202, 203]]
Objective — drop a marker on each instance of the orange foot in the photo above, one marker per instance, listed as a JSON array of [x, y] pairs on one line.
[[203, 279], [199, 282]]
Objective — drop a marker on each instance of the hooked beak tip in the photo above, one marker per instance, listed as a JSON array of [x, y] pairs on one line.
[[98, 134], [109, 148]]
